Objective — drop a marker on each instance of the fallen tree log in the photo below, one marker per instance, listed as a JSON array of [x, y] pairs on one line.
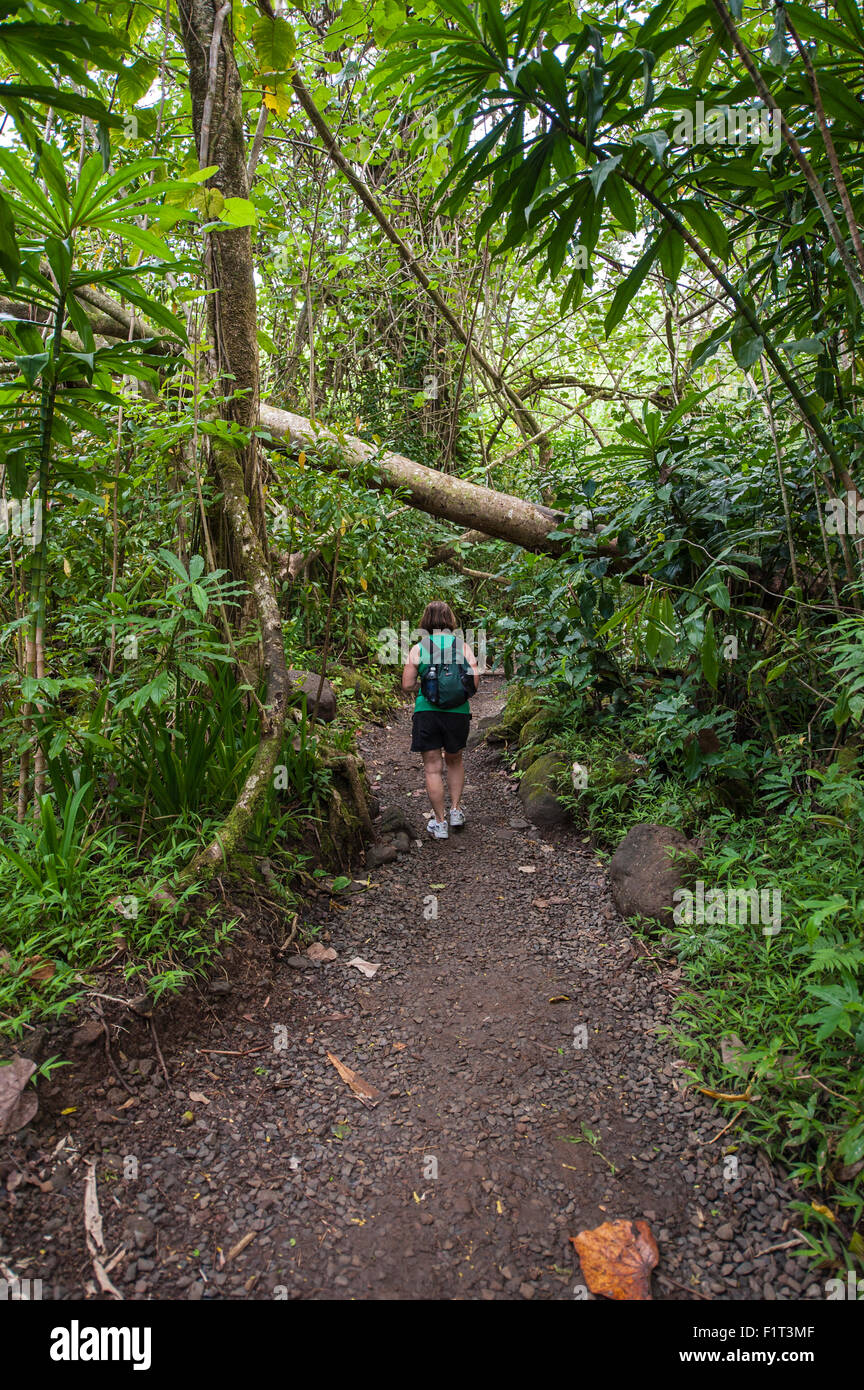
[[442, 495], [484, 512], [449, 554], [485, 575], [487, 514]]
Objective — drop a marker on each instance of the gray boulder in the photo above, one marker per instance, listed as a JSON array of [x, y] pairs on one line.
[[537, 790], [642, 874], [394, 820], [486, 730], [377, 855], [306, 683]]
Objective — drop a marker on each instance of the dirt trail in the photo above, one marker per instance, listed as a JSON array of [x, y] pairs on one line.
[[470, 1173]]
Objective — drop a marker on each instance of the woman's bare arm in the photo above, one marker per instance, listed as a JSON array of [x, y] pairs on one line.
[[411, 671], [472, 662]]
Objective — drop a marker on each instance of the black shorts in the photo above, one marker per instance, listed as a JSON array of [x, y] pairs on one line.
[[431, 729]]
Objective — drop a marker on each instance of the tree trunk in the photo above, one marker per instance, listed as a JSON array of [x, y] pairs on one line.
[[217, 114]]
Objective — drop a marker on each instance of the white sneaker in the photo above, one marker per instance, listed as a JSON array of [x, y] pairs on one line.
[[457, 817], [438, 829]]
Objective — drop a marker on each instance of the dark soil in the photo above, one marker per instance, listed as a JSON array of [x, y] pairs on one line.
[[468, 1175]]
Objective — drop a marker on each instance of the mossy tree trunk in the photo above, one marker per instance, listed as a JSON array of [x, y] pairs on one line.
[[217, 113]]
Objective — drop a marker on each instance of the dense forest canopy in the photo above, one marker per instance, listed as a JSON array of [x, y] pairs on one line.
[[552, 309]]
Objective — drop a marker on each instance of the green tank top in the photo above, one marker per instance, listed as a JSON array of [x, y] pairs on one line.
[[442, 643]]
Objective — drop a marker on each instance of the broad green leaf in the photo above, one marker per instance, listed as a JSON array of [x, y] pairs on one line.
[[200, 599], [706, 224], [10, 256], [238, 212], [174, 564], [599, 172], [671, 252], [274, 43], [628, 288], [708, 653], [747, 346], [32, 367]]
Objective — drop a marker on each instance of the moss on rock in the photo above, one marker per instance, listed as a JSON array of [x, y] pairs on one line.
[[539, 787], [535, 729]]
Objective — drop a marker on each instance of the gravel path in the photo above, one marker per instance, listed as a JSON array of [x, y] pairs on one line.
[[497, 1033]]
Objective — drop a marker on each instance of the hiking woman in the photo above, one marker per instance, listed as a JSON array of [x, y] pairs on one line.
[[445, 667]]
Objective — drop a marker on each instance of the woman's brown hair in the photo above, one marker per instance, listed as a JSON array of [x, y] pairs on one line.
[[437, 616]]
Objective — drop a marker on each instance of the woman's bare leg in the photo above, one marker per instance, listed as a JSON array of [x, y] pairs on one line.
[[455, 778], [433, 767]]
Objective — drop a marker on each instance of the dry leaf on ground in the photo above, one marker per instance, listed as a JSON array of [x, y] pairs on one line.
[[360, 1087], [95, 1238], [318, 952], [41, 969], [18, 1105], [617, 1258], [240, 1246], [366, 967], [731, 1048]]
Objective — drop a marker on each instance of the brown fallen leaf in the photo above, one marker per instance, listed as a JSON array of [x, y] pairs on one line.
[[366, 967], [361, 1088], [240, 1246], [18, 1102], [824, 1211], [617, 1258], [318, 952], [47, 1187], [42, 969], [94, 1236], [731, 1048]]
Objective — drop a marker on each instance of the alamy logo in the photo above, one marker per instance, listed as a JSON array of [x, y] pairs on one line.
[[853, 1288], [392, 647], [21, 520], [20, 1290], [844, 516], [77, 1343], [728, 125], [732, 906]]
